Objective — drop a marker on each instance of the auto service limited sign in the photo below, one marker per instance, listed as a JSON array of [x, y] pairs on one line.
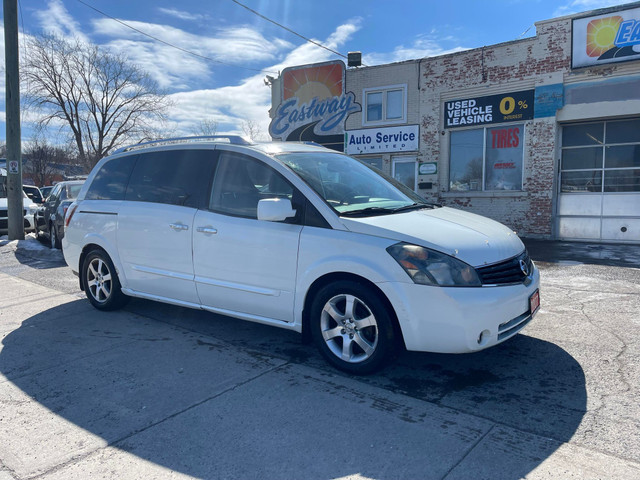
[[382, 140]]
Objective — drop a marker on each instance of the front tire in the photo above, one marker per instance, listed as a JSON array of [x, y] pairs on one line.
[[352, 327], [101, 283]]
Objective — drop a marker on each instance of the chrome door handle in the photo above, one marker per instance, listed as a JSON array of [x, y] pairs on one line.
[[178, 226], [208, 230]]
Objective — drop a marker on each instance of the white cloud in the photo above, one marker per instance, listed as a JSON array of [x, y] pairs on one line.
[[251, 99], [238, 44], [182, 15], [174, 68], [576, 6], [55, 19], [423, 46]]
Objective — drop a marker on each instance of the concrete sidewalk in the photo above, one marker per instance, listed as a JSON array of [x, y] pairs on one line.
[[85, 394]]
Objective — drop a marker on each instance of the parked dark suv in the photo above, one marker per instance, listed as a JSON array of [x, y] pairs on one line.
[[49, 220]]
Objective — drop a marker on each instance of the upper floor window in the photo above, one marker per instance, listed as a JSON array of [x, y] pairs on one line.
[[385, 105]]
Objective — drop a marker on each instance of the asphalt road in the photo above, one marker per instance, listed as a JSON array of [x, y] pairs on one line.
[[157, 391]]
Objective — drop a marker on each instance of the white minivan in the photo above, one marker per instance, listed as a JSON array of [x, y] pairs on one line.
[[300, 237]]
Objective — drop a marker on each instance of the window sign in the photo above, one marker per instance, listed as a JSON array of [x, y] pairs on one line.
[[429, 168], [504, 155], [487, 159]]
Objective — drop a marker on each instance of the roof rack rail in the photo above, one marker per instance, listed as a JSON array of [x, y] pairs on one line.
[[232, 139]]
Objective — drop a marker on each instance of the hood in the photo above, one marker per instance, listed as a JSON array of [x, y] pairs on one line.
[[472, 238], [26, 202]]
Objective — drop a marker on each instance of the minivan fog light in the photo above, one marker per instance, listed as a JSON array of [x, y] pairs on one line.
[[483, 338], [429, 267]]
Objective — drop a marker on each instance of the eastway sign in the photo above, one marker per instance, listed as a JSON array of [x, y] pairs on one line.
[[609, 38], [314, 105], [382, 140]]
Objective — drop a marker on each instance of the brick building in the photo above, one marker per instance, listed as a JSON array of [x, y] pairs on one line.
[[541, 134]]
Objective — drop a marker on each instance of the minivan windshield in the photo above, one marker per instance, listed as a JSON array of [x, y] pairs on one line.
[[350, 187]]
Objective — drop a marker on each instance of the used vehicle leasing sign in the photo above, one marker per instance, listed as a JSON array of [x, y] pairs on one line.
[[507, 107]]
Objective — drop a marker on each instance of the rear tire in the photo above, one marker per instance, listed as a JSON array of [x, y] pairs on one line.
[[53, 237], [352, 328], [101, 283]]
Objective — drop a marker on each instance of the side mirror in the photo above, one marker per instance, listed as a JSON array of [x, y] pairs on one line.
[[275, 209]]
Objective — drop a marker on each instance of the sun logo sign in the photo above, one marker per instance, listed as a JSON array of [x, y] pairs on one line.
[[608, 37], [601, 35]]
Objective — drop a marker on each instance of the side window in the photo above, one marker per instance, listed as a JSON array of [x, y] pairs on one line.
[[55, 193], [176, 177], [241, 182], [110, 183]]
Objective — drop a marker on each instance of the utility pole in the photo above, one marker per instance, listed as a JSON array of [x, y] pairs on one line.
[[15, 206]]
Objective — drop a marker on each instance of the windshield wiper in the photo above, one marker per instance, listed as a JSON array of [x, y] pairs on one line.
[[413, 206], [385, 211], [368, 211]]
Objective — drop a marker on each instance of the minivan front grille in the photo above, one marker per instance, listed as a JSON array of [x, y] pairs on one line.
[[508, 272]]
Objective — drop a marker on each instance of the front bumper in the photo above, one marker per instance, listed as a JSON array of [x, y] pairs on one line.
[[28, 223], [460, 320]]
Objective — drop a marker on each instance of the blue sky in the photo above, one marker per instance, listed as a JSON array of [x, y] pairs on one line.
[[246, 47]]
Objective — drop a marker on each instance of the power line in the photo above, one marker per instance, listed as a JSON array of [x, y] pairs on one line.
[[171, 44], [289, 30]]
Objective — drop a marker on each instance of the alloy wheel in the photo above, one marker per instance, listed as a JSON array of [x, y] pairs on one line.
[[349, 328], [99, 280]]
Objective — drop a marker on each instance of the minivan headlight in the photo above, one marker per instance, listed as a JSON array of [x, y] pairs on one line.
[[428, 267]]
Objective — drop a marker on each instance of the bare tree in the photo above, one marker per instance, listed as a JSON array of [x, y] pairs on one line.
[[206, 127], [103, 99], [42, 160], [251, 129]]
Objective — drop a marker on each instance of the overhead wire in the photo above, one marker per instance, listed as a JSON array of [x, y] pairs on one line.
[[318, 44], [171, 44]]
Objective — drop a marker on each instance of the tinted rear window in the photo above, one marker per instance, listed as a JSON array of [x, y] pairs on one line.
[[176, 177], [110, 183]]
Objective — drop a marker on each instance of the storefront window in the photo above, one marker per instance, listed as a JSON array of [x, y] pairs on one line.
[[602, 150], [404, 171], [488, 159], [373, 161]]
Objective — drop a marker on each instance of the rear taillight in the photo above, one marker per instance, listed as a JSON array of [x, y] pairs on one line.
[[68, 213]]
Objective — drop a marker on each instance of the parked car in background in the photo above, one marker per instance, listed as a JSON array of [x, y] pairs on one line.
[[50, 218], [33, 193], [46, 191], [29, 209], [299, 237]]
